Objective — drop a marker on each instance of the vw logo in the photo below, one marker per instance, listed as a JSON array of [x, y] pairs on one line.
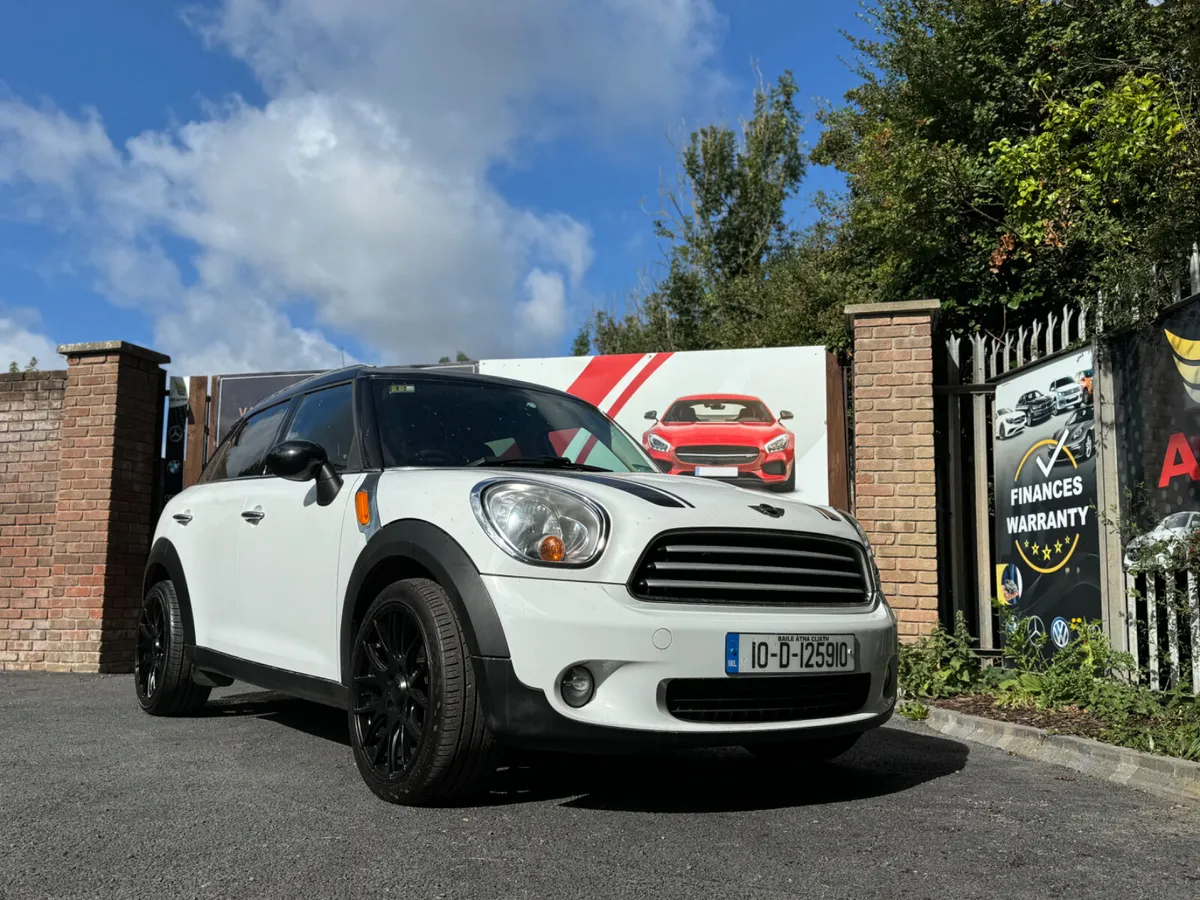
[[1060, 633], [1036, 628]]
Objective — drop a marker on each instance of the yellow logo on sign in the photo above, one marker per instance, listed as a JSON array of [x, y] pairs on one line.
[[1187, 361], [1044, 550]]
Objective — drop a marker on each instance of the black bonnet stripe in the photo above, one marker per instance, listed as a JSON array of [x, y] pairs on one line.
[[657, 496]]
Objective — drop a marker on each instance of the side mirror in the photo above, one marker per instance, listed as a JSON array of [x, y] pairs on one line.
[[784, 414], [653, 414], [305, 461]]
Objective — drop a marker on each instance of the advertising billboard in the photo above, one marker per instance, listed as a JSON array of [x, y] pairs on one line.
[[756, 418], [1156, 379], [1047, 538]]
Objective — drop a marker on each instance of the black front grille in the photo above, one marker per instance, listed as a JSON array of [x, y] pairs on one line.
[[790, 698], [717, 455], [748, 566]]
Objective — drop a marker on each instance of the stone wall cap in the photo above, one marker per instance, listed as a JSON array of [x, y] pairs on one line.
[[894, 308], [96, 348], [897, 307]]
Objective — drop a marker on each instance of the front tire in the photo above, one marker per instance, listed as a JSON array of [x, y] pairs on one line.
[[417, 725], [162, 674], [816, 751]]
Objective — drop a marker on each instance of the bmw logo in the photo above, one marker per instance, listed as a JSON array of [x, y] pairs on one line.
[[1059, 632]]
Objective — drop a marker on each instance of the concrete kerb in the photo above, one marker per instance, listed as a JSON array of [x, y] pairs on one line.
[[1159, 775]]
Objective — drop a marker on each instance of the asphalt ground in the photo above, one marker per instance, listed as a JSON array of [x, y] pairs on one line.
[[260, 798]]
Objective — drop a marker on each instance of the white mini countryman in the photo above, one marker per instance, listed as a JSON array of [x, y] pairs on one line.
[[467, 563]]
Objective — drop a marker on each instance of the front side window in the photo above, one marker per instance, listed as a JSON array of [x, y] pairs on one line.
[[245, 453], [326, 417], [447, 423]]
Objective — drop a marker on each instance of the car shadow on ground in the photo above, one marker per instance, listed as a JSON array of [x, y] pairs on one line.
[[885, 761]]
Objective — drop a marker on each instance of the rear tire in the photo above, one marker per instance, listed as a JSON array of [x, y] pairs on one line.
[[817, 751], [417, 725], [162, 674]]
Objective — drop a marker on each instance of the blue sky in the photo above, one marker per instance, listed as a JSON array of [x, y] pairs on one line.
[[252, 184]]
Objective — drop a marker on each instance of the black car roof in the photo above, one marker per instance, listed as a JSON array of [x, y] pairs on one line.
[[351, 373]]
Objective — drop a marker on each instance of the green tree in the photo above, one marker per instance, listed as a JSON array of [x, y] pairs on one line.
[[1016, 154], [736, 275]]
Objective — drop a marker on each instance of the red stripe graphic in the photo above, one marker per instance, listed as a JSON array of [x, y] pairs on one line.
[[601, 375], [638, 380]]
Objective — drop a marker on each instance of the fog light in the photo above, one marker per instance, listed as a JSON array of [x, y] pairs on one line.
[[577, 686]]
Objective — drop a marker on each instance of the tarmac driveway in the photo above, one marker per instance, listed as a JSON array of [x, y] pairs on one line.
[[260, 798]]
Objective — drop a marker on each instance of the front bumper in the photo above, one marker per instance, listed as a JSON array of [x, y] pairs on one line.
[[770, 469], [553, 625]]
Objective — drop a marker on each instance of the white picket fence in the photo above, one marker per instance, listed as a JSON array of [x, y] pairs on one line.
[[1163, 621]]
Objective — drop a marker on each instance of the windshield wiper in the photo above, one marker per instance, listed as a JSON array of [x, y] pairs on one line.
[[537, 462]]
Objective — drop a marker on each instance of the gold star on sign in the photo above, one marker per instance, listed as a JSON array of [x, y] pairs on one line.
[[1046, 553], [1035, 549], [1058, 546], [1026, 543]]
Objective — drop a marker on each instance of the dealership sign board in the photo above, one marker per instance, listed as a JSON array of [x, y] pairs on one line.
[[1047, 539], [754, 417], [1156, 375]]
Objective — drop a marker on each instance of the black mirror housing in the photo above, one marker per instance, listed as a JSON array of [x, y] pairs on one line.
[[784, 414], [653, 414], [296, 460]]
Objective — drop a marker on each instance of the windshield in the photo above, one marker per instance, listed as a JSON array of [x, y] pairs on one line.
[[1178, 520], [1083, 414], [428, 422], [1063, 382], [718, 410]]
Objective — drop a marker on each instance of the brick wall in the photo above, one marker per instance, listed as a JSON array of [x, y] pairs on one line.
[[30, 416], [895, 489], [86, 442]]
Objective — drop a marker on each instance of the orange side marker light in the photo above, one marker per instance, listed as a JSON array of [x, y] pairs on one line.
[[362, 507]]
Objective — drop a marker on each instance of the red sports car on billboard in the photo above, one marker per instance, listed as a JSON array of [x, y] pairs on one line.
[[727, 436]]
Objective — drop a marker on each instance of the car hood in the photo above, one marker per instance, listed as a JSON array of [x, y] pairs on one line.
[[639, 507], [737, 433]]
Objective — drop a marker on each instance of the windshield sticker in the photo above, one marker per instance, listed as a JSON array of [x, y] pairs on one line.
[[401, 389]]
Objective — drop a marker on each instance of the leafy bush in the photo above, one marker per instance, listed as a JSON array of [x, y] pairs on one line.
[[941, 664]]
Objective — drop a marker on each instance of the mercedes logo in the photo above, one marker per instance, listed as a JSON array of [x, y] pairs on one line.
[[175, 434], [767, 510], [1036, 628]]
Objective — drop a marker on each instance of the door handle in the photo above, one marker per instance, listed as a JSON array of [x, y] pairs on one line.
[[253, 516], [182, 517]]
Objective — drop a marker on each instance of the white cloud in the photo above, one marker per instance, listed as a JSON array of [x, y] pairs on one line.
[[359, 190], [21, 341]]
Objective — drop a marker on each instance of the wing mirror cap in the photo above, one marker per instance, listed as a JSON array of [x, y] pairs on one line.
[[296, 460], [653, 415], [785, 414]]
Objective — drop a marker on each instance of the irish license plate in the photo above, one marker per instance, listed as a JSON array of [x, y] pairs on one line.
[[717, 471], [767, 654]]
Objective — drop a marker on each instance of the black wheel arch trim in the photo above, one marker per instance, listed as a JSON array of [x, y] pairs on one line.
[[434, 550], [163, 555]]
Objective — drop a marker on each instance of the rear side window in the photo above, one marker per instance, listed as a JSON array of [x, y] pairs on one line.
[[245, 453], [326, 417]]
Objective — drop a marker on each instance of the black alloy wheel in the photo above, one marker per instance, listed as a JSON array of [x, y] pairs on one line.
[[392, 691], [153, 640], [163, 676], [418, 729]]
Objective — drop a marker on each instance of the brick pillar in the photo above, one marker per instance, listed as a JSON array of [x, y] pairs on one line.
[[110, 446], [895, 490]]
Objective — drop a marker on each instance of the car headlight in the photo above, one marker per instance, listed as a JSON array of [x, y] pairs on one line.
[[541, 524], [779, 443], [657, 443]]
